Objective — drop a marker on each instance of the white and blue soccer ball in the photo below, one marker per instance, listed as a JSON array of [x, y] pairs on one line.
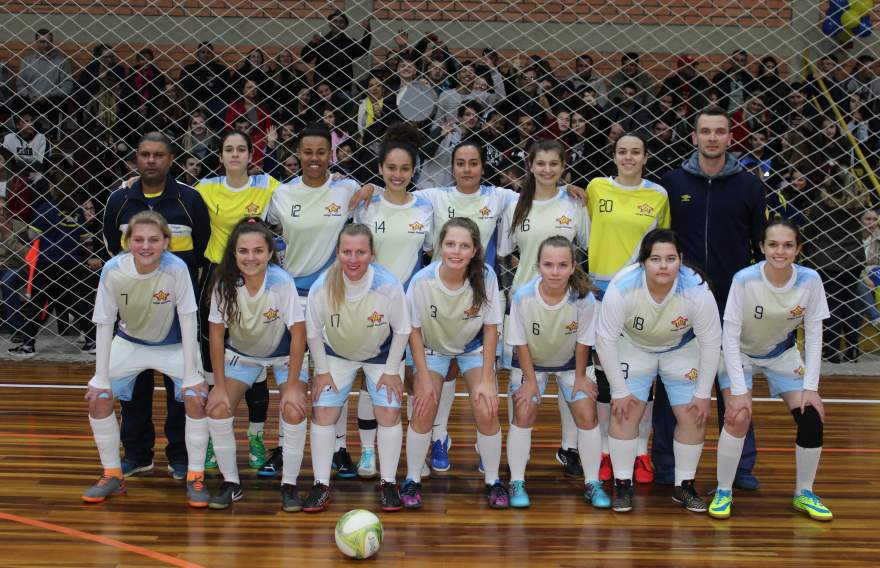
[[359, 534]]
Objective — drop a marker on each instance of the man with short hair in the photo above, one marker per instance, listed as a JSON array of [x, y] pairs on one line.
[[718, 213], [44, 80], [333, 54], [187, 215], [207, 81], [584, 76], [631, 72]]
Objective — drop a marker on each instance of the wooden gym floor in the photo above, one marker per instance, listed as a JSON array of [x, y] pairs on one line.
[[47, 458]]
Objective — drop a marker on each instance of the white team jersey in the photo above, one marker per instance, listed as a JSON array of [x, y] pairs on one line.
[[147, 304], [561, 215], [310, 219], [362, 328], [551, 332], [262, 328], [484, 207], [769, 315], [628, 308], [400, 233], [450, 323]]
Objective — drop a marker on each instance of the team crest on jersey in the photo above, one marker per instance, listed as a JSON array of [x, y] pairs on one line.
[[645, 210], [686, 198], [270, 315], [563, 221], [332, 210], [376, 319], [416, 227], [161, 297], [680, 322], [799, 371], [797, 311], [252, 209], [471, 312], [692, 375], [572, 327], [485, 212]]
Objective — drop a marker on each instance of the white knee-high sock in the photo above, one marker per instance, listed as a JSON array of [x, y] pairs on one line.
[[729, 452], [196, 436], [341, 428], [390, 441], [293, 447], [807, 461], [569, 428], [687, 458], [490, 452], [416, 449], [623, 456], [106, 432], [365, 412], [645, 428], [444, 408], [590, 449], [223, 437], [322, 439], [280, 429], [519, 445], [603, 412]]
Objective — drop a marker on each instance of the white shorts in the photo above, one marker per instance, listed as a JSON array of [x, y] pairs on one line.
[[129, 359], [250, 370], [678, 369], [564, 380], [785, 372], [344, 372]]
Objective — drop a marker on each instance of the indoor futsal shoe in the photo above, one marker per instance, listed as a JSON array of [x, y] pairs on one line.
[[318, 499], [177, 471], [291, 502], [721, 504], [809, 503], [105, 487], [273, 465], [605, 470], [411, 494], [497, 495], [23, 351], [595, 495], [256, 450], [229, 493], [571, 462], [519, 498], [643, 472], [440, 454], [197, 493], [389, 496], [130, 467], [367, 464], [342, 464], [623, 496], [686, 496]]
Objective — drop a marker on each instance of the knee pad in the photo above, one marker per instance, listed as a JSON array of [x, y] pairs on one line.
[[367, 424], [258, 402], [809, 427], [604, 395]]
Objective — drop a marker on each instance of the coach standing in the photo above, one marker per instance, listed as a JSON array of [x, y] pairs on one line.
[[187, 215], [718, 212]]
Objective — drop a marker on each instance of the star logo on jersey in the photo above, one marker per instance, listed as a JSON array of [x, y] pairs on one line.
[[485, 212], [645, 210], [797, 311], [799, 371], [563, 221], [271, 315], [692, 375], [471, 312], [416, 227], [572, 327], [680, 322], [161, 297], [686, 198], [333, 210], [376, 319], [252, 209]]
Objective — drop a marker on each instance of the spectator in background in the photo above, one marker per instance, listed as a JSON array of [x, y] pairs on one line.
[[332, 55], [7, 90], [172, 113], [631, 72], [198, 141], [144, 84], [304, 111], [628, 113], [770, 85], [286, 78], [191, 170], [863, 81], [337, 134], [752, 117], [759, 156], [89, 272], [248, 107], [206, 81], [437, 77], [450, 100], [688, 84], [374, 106], [866, 285], [526, 98], [496, 142], [103, 73], [665, 150], [437, 169], [30, 148], [253, 67], [734, 81], [796, 109], [584, 76], [826, 70], [45, 81]]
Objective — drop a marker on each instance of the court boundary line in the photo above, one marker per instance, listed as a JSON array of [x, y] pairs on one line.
[[75, 533]]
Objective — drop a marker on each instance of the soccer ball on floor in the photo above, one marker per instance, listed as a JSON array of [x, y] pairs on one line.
[[359, 534]]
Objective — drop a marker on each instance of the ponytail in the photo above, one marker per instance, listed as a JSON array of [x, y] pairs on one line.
[[527, 193], [578, 282], [475, 269], [227, 277]]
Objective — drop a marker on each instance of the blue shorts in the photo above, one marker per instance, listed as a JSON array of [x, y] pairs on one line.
[[785, 372], [564, 380], [439, 363], [344, 372], [248, 370], [678, 370]]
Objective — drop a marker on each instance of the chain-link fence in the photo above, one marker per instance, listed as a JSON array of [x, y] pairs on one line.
[[80, 81]]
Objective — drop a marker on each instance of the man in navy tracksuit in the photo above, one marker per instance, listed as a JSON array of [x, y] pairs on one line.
[[187, 214], [718, 213]]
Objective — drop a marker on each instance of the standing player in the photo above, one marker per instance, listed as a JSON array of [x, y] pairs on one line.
[[767, 302], [311, 210], [455, 306], [255, 301], [150, 291], [552, 326], [622, 210], [402, 225], [356, 319], [543, 210], [230, 198], [659, 317]]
